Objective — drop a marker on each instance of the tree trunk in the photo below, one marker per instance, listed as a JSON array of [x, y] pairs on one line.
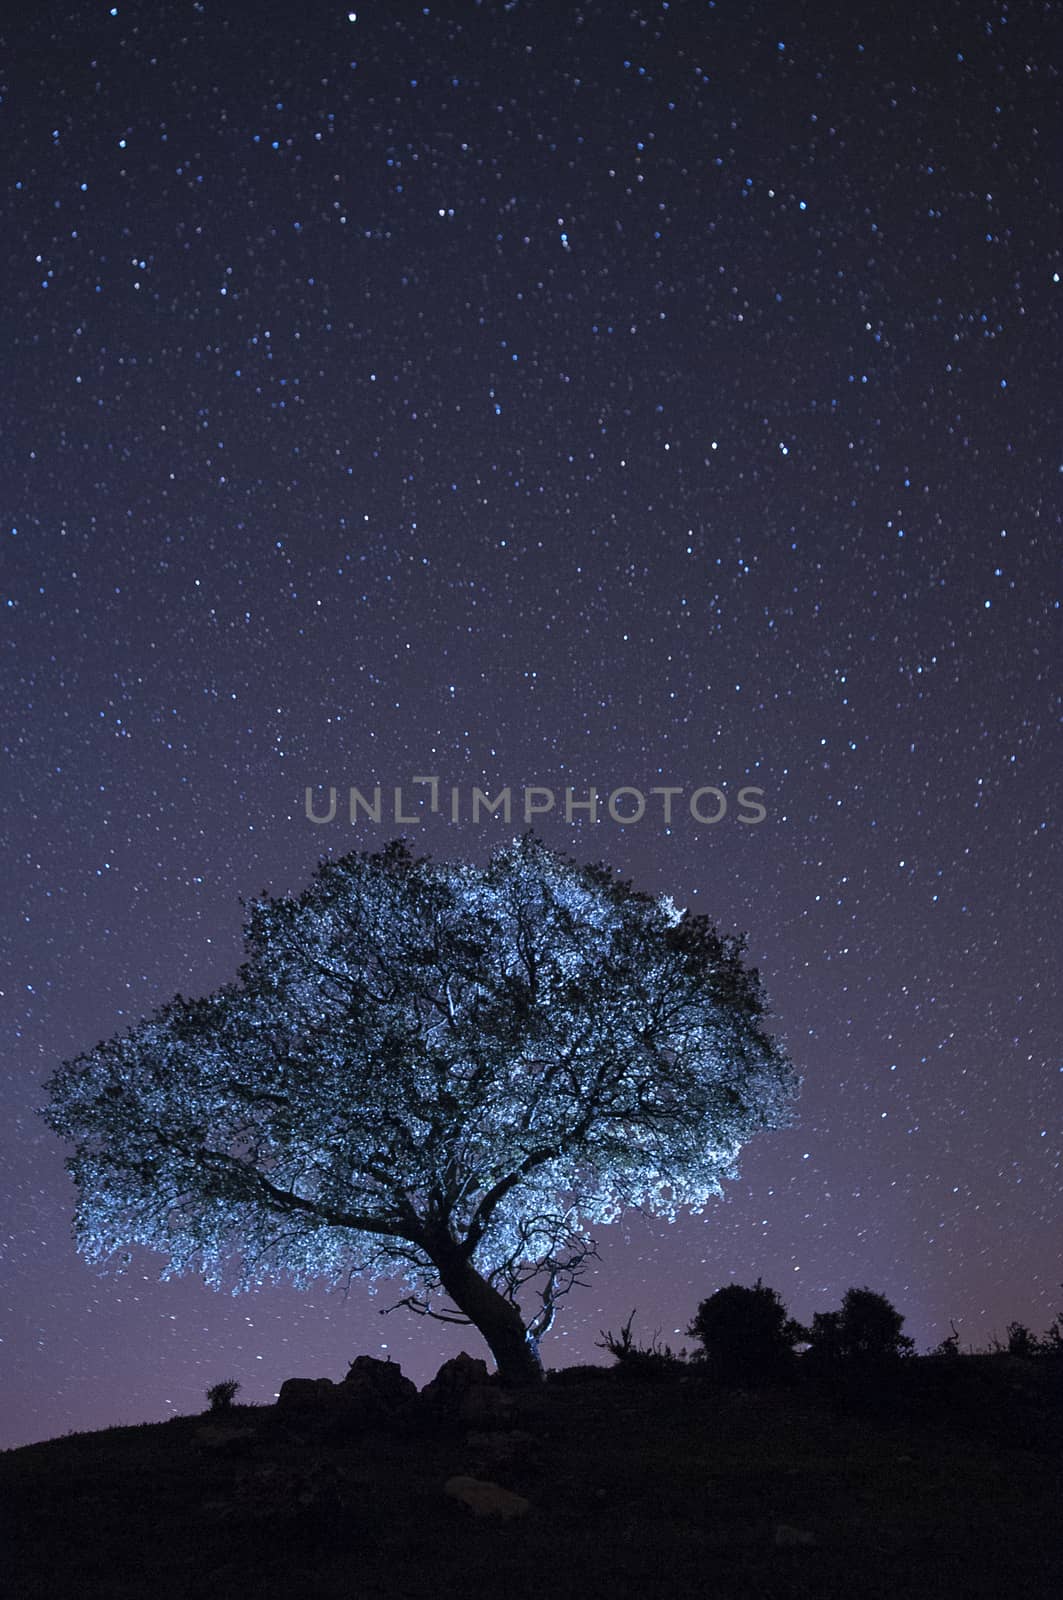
[[516, 1353]]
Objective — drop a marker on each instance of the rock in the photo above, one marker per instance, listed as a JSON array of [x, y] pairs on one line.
[[374, 1393], [458, 1391], [486, 1499], [303, 1395], [458, 1375], [787, 1537], [379, 1385]]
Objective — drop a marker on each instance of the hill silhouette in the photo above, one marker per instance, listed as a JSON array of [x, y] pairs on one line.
[[939, 1478]]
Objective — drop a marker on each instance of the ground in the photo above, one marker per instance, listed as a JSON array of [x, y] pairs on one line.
[[945, 1485]]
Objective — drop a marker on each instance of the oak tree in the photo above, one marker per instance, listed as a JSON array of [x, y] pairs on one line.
[[444, 1072]]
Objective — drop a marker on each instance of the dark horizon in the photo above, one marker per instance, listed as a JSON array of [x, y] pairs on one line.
[[535, 396]]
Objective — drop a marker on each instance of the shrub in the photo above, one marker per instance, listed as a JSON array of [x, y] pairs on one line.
[[746, 1334], [1024, 1343], [585, 1372], [1052, 1343], [1021, 1342], [864, 1336], [869, 1328], [652, 1361], [949, 1348], [221, 1395]]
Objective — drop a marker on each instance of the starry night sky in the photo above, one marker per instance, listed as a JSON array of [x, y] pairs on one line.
[[539, 393]]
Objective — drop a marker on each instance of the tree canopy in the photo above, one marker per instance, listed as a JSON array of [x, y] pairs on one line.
[[746, 1333], [440, 1071]]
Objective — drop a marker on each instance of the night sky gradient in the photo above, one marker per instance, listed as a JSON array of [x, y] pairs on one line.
[[544, 394]]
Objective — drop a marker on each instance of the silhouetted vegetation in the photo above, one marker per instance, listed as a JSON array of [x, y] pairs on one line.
[[653, 1361], [869, 1328], [359, 1101], [1021, 1342], [949, 1348], [221, 1395], [746, 1335], [611, 1486], [872, 1469]]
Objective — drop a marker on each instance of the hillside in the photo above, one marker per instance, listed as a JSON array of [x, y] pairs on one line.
[[945, 1483]]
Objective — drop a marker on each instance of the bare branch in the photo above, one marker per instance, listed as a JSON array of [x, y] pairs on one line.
[[423, 1309]]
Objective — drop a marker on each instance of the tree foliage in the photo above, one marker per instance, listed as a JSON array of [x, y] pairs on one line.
[[866, 1329], [441, 1071], [746, 1333], [871, 1327]]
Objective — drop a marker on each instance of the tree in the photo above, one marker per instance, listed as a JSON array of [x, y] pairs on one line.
[[1021, 1342], [869, 1328], [440, 1071], [1052, 1343], [826, 1338], [746, 1332]]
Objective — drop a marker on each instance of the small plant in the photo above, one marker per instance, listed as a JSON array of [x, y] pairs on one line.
[[949, 1348], [640, 1361], [221, 1395], [1021, 1342], [1052, 1343]]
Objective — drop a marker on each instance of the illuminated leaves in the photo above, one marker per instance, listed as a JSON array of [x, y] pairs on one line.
[[418, 1055]]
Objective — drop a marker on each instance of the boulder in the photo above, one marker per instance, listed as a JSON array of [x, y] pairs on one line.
[[302, 1395], [373, 1393], [463, 1392], [452, 1384], [379, 1385], [458, 1374], [486, 1499]]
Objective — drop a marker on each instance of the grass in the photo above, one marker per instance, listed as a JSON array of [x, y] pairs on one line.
[[946, 1485]]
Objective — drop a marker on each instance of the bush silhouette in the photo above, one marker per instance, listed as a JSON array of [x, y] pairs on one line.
[[860, 1341], [653, 1361], [1052, 1343], [869, 1328], [949, 1348], [584, 1372], [1021, 1342], [221, 1395], [746, 1333]]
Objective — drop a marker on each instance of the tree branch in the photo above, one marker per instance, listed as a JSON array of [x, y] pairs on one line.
[[423, 1309]]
